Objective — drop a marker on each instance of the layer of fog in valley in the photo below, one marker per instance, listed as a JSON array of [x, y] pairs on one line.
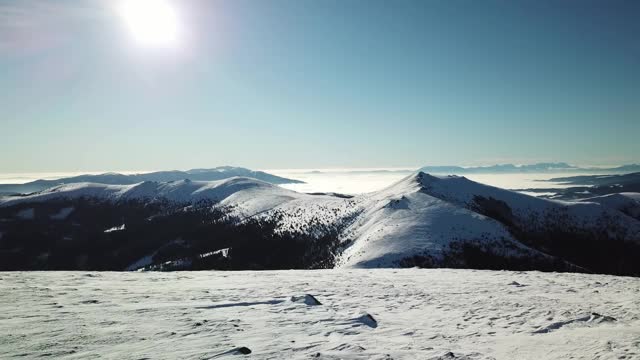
[[345, 181], [357, 181]]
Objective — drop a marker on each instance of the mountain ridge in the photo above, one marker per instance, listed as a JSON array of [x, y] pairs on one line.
[[212, 174], [422, 220]]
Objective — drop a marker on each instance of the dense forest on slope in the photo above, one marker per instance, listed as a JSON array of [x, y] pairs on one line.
[[99, 235]]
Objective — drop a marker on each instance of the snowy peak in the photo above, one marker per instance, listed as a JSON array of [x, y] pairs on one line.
[[426, 182], [434, 185], [414, 221], [457, 190], [427, 179], [427, 220], [474, 196], [464, 192], [419, 181]]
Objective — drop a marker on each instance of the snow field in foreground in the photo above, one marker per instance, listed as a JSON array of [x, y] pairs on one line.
[[351, 314]]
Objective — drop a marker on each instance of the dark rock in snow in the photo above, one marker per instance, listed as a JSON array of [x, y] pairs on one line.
[[243, 350], [601, 318], [307, 299], [368, 320], [449, 355]]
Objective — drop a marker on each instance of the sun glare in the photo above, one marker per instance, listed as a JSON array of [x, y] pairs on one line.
[[152, 23]]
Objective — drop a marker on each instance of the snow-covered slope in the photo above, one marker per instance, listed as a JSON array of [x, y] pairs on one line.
[[403, 221], [628, 203], [423, 214], [417, 314]]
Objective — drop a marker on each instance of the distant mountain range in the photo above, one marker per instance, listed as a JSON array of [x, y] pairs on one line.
[[532, 168], [600, 180], [243, 223], [217, 173], [587, 186]]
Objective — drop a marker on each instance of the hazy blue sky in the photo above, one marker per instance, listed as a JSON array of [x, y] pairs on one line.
[[327, 83]]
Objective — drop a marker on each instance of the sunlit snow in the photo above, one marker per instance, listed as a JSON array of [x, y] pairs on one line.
[[362, 314]]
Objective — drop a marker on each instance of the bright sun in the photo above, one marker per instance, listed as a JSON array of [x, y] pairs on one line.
[[151, 22]]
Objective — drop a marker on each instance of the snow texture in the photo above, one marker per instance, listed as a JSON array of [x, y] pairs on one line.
[[115, 228], [359, 314]]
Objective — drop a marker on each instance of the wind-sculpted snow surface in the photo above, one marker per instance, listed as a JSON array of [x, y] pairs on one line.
[[328, 314]]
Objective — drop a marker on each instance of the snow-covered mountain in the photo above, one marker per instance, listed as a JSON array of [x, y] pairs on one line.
[[252, 194], [424, 215], [218, 173], [422, 220]]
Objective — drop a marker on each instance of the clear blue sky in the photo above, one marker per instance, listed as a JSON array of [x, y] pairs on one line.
[[327, 83]]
